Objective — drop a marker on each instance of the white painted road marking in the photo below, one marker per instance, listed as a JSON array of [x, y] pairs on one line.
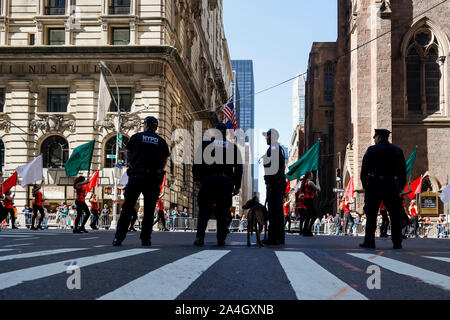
[[399, 267], [312, 282], [13, 278], [1, 250], [445, 259], [89, 238], [17, 245], [39, 253], [14, 236], [26, 239], [169, 281]]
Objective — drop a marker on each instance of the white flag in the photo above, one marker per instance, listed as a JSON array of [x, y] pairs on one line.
[[445, 195], [31, 172], [104, 99], [124, 180]]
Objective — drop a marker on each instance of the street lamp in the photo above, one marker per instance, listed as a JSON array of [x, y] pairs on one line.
[[115, 197]]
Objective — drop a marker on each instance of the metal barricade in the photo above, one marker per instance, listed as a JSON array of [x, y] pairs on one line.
[[105, 221], [182, 223], [234, 225]]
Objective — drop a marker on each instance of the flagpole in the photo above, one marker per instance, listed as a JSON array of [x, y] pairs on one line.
[[115, 199]]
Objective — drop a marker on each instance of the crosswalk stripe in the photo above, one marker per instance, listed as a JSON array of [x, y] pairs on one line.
[[16, 277], [399, 267], [39, 253], [18, 245], [1, 250], [14, 236], [312, 282], [156, 285], [445, 259]]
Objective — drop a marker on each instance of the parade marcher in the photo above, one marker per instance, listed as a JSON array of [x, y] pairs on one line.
[[287, 214], [274, 177], [348, 218], [384, 222], [217, 171], [301, 207], [80, 185], [94, 211], [9, 208], [309, 190], [160, 214], [383, 176], [37, 207], [414, 217], [147, 154]]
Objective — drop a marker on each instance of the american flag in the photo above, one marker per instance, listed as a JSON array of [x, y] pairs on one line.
[[230, 114]]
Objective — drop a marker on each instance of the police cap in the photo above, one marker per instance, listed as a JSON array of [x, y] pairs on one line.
[[383, 133], [274, 134], [152, 122]]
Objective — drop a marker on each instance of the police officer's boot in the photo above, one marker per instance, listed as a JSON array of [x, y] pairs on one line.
[[199, 242], [116, 242]]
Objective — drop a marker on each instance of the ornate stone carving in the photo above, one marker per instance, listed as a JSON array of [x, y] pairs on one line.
[[5, 125], [385, 8], [212, 4], [53, 123], [126, 124]]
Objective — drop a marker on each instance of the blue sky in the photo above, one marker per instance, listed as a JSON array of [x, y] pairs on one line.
[[277, 36]]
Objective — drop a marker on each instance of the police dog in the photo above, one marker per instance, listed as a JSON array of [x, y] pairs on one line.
[[256, 218]]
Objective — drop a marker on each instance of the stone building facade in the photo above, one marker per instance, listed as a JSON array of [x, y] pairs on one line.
[[169, 55], [391, 71]]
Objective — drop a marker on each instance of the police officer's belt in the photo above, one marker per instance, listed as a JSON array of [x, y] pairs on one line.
[[143, 172]]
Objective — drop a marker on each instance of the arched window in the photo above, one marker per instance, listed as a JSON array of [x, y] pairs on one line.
[[110, 150], [2, 155], [328, 82], [423, 73], [55, 152]]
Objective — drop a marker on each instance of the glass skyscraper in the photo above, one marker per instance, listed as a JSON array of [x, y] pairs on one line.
[[245, 109]]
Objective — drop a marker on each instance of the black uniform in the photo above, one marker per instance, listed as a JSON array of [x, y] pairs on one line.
[[218, 179], [383, 176], [145, 174], [276, 187]]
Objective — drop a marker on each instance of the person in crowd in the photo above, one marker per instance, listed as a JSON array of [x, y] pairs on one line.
[[37, 206], [441, 224], [348, 218], [94, 211], [160, 215], [185, 215], [104, 216], [27, 213], [413, 212], [384, 221], [167, 217], [80, 185], [357, 224], [337, 223], [317, 226], [310, 191], [363, 223], [301, 207], [287, 214], [174, 214]]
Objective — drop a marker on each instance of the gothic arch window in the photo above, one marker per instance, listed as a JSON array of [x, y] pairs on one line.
[[55, 152], [2, 154], [424, 73], [328, 82], [110, 149]]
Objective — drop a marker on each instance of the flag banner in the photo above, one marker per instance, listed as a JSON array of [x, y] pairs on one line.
[[445, 195], [104, 99], [410, 162], [80, 159], [350, 190], [124, 179], [416, 187], [161, 187], [93, 182], [10, 182], [32, 171], [288, 187], [230, 113], [309, 162]]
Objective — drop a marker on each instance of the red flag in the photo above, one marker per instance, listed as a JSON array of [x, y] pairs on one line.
[[416, 187], [93, 182], [288, 186], [350, 190], [10, 182], [161, 187]]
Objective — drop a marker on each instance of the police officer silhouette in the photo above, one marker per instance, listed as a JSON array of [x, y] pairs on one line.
[[217, 171], [274, 170], [147, 154], [383, 176]]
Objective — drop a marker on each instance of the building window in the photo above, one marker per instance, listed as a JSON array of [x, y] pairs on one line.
[[110, 150], [2, 155], [31, 39], [2, 99], [55, 152], [120, 36], [57, 99], [119, 7], [125, 100], [56, 36], [328, 82], [55, 7], [423, 73]]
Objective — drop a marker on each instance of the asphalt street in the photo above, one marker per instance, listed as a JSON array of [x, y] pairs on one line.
[[45, 264]]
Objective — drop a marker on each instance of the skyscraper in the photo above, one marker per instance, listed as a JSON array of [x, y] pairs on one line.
[[298, 102], [246, 106]]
